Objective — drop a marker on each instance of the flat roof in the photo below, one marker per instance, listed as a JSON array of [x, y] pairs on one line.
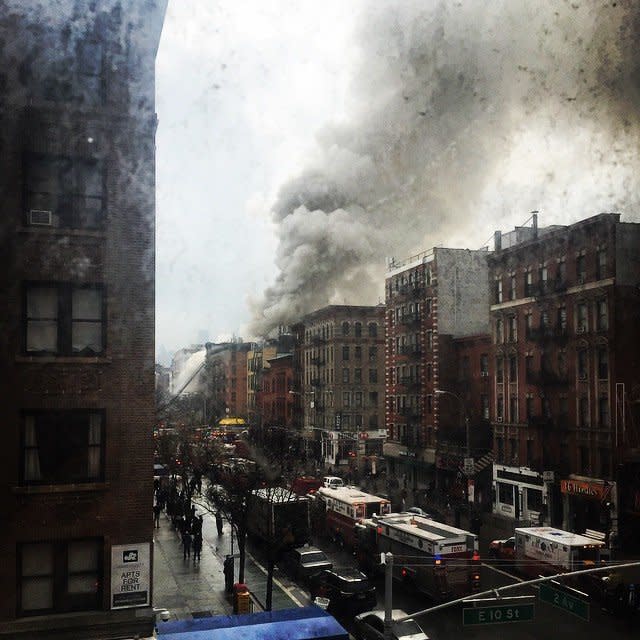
[[350, 495], [422, 527]]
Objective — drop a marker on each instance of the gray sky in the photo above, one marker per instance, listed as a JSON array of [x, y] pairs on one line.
[[301, 143]]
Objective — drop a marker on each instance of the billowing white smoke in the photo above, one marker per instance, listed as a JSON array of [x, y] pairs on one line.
[[464, 117]]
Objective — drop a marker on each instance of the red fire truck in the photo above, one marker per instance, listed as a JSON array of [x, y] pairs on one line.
[[346, 506], [438, 560]]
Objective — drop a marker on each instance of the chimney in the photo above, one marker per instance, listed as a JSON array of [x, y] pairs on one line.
[[497, 241], [535, 224]]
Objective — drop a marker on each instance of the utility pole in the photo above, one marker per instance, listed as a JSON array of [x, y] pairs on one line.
[[388, 595]]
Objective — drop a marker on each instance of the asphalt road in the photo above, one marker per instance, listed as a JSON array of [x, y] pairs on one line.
[[549, 621]]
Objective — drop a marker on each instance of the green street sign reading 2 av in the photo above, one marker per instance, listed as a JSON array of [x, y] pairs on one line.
[[498, 614], [564, 601]]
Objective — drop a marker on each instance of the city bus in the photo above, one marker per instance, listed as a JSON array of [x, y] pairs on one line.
[[346, 506], [547, 551], [436, 559]]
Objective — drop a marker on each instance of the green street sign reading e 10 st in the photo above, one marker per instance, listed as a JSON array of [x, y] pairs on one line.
[[565, 601], [498, 614]]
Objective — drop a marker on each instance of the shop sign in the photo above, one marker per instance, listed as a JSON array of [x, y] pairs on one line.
[[587, 489], [130, 575]]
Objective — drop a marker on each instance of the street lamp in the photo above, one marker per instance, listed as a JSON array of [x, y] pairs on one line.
[[440, 392]]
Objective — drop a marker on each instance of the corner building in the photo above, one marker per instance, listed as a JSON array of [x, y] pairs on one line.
[[564, 315], [77, 291], [436, 340], [340, 387]]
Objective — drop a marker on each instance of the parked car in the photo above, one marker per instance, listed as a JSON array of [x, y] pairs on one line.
[[347, 590], [303, 562], [333, 482], [370, 626], [503, 549]]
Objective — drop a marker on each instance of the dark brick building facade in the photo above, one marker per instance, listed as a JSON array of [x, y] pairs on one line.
[[564, 317], [77, 292]]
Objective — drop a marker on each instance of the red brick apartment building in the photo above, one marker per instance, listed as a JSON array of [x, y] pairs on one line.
[[436, 366], [77, 293], [274, 400], [226, 374], [565, 310], [340, 389]]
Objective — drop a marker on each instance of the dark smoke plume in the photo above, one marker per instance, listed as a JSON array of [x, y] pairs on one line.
[[464, 117]]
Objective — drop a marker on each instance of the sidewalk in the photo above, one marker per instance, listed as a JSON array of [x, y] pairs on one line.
[[191, 589]]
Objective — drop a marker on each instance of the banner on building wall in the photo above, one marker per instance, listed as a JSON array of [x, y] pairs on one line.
[[595, 490], [130, 575]]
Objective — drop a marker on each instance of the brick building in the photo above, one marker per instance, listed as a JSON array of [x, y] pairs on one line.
[[564, 314], [434, 300], [77, 292], [340, 360], [274, 399], [226, 374]]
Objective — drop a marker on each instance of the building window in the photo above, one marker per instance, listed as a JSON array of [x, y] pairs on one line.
[[465, 369], [513, 450], [498, 295], [581, 269], [373, 376], [429, 371], [500, 408], [500, 447], [64, 192], [484, 406], [499, 332], [429, 403], [528, 368], [499, 370], [428, 306], [513, 409], [513, 287], [601, 264], [528, 283], [357, 376], [562, 320], [62, 319], [357, 352], [528, 324], [562, 272], [583, 411], [358, 329], [373, 330], [358, 399], [513, 328], [529, 406], [583, 364], [345, 376], [605, 465], [484, 364], [562, 363], [346, 399], [60, 576], [583, 457], [513, 368], [603, 364], [373, 399], [603, 411], [603, 314], [62, 447], [345, 353], [345, 328], [582, 318], [373, 354]]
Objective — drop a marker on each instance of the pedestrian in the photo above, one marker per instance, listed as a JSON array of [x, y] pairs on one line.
[[186, 544], [228, 574], [156, 515], [197, 546], [219, 523]]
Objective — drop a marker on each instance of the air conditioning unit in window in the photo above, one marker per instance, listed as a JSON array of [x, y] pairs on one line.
[[499, 419], [40, 217], [580, 279], [581, 329], [484, 374]]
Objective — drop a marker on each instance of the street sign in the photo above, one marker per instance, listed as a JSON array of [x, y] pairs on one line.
[[563, 600], [499, 614]]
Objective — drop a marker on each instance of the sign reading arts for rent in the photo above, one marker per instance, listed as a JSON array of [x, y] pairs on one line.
[[130, 575]]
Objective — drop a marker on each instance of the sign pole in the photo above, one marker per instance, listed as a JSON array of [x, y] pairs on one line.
[[388, 600]]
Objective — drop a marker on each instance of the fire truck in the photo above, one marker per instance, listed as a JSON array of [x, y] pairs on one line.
[[546, 551], [436, 559], [346, 506]]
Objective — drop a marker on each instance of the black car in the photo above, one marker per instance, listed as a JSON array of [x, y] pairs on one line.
[[303, 562], [346, 589]]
